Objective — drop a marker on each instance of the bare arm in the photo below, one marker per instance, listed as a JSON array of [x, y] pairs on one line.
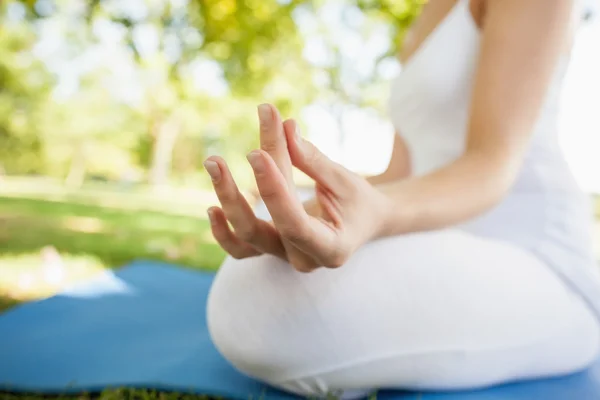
[[521, 44]]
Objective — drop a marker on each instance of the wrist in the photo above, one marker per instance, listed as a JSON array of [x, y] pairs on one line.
[[396, 214]]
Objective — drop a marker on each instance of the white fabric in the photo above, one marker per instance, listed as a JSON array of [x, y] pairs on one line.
[[440, 310], [504, 297]]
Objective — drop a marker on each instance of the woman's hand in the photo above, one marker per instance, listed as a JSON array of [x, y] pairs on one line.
[[346, 212], [312, 207], [252, 236], [353, 211]]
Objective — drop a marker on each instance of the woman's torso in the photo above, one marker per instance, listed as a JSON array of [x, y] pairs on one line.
[[545, 212]]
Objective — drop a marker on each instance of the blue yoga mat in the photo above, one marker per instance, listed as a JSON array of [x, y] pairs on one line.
[[144, 327]]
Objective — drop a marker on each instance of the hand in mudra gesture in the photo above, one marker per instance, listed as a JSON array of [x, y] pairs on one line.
[[350, 211]]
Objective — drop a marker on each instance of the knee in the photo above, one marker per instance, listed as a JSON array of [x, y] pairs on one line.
[[233, 347], [255, 356], [253, 321], [239, 328]]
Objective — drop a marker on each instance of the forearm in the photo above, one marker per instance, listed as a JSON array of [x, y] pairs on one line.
[[464, 189]]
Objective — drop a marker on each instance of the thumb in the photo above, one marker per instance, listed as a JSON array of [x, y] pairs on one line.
[[309, 159]]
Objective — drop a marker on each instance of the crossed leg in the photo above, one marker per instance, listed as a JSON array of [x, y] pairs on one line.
[[439, 310]]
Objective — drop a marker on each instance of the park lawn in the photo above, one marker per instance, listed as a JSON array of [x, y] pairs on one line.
[[116, 394], [90, 238]]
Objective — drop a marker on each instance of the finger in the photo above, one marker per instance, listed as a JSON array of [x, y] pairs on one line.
[[308, 158], [247, 227], [273, 141], [288, 214], [226, 238], [285, 209]]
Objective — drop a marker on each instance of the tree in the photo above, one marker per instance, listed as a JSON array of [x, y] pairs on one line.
[[252, 41], [398, 15], [90, 133], [24, 86], [258, 47]]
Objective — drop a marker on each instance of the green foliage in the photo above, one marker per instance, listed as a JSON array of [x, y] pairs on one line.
[[112, 235], [24, 85], [163, 136], [93, 126], [399, 15], [254, 40]]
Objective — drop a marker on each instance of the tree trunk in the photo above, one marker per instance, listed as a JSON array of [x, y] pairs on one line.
[[77, 169], [162, 153]]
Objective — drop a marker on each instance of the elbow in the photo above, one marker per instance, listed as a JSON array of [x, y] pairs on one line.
[[496, 176], [502, 179], [499, 190]]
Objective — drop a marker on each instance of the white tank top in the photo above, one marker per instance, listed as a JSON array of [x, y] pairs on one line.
[[545, 212]]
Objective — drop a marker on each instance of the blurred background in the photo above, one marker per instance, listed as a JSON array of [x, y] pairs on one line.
[[108, 109]]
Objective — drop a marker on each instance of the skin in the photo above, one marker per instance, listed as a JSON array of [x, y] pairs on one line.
[[521, 42]]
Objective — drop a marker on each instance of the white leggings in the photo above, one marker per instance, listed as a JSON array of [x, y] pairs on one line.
[[442, 310]]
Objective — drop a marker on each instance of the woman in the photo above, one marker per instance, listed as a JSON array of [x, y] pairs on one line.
[[467, 263]]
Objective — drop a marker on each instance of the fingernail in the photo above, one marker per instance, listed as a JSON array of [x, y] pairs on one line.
[[213, 170], [264, 112], [256, 161], [211, 218]]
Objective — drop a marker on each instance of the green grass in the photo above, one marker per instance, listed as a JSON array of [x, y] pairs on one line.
[[91, 237], [23, 277], [115, 236], [95, 227], [113, 394], [97, 236]]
